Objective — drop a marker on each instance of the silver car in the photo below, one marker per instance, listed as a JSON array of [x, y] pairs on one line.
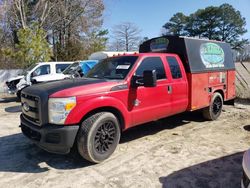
[[245, 182]]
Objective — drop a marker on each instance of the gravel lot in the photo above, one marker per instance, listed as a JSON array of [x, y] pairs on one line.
[[181, 151]]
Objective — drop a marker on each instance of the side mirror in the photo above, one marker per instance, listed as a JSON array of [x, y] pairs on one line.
[[149, 78], [33, 81]]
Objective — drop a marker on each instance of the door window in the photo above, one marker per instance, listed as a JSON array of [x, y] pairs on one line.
[[174, 67], [61, 67], [152, 63], [42, 70]]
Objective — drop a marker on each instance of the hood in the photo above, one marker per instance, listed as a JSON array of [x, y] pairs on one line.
[[86, 89], [69, 87], [15, 78]]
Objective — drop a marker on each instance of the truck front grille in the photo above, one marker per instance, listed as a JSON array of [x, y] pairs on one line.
[[30, 108]]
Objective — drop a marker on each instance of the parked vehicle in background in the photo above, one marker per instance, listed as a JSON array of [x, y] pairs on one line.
[[105, 54], [170, 75], [79, 68], [245, 182], [38, 71], [12, 82]]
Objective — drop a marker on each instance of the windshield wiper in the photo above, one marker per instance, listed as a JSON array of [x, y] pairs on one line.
[[95, 76], [118, 76]]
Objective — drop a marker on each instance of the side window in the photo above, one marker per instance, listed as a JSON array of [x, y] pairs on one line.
[[42, 70], [152, 63], [61, 67], [174, 67]]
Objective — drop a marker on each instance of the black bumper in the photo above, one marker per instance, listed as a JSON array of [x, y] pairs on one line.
[[52, 138]]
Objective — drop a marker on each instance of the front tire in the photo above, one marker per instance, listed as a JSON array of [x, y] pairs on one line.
[[213, 111], [98, 136]]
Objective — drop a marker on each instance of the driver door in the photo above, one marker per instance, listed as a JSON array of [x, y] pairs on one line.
[[151, 103]]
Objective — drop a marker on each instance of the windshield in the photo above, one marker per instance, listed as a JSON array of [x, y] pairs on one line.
[[25, 72], [71, 69], [113, 68]]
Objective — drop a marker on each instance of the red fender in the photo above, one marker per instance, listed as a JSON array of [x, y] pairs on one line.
[[84, 107]]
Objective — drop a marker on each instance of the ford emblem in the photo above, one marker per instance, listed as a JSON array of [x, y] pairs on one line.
[[26, 107]]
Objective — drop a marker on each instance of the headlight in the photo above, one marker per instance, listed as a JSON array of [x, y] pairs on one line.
[[59, 108]]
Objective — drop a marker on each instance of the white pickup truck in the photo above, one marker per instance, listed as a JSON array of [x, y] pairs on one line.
[[41, 72]]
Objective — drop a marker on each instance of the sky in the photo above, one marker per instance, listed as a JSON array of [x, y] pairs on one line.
[[151, 15]]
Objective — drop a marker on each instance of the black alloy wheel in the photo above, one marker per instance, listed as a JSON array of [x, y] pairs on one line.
[[98, 136]]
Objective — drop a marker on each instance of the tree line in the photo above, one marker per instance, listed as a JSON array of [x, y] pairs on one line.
[[43, 30], [222, 23], [69, 30]]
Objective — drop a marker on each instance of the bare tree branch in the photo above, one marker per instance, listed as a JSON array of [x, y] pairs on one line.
[[127, 34]]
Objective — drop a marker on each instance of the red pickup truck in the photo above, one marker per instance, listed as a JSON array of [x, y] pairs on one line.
[[170, 75]]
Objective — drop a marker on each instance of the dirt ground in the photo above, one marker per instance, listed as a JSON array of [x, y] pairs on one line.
[[181, 151]]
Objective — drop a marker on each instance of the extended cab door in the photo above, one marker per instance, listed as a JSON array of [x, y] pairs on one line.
[[151, 103], [178, 85]]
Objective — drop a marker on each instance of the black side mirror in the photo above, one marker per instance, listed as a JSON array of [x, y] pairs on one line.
[[33, 81], [149, 78]]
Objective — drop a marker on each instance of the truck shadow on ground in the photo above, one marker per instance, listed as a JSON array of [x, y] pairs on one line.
[[13, 109], [160, 125], [18, 154], [244, 101], [9, 99], [222, 172]]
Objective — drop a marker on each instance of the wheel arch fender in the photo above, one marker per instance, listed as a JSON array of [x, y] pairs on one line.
[[221, 92], [110, 104]]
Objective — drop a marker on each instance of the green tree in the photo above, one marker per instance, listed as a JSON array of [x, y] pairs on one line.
[[68, 25], [32, 47], [81, 49], [204, 23], [98, 40], [193, 26], [231, 26], [176, 24], [222, 23]]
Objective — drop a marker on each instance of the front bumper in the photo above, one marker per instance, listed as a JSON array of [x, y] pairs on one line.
[[12, 91], [52, 138], [245, 182], [11, 87]]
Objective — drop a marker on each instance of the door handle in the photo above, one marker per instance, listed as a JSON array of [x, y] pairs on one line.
[[170, 89]]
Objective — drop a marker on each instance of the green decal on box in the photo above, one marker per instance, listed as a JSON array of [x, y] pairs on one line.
[[212, 55]]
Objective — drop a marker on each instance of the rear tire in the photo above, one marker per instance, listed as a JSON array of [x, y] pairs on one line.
[[98, 136], [213, 111]]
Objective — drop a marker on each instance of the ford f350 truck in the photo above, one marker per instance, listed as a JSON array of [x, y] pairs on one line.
[[168, 76]]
